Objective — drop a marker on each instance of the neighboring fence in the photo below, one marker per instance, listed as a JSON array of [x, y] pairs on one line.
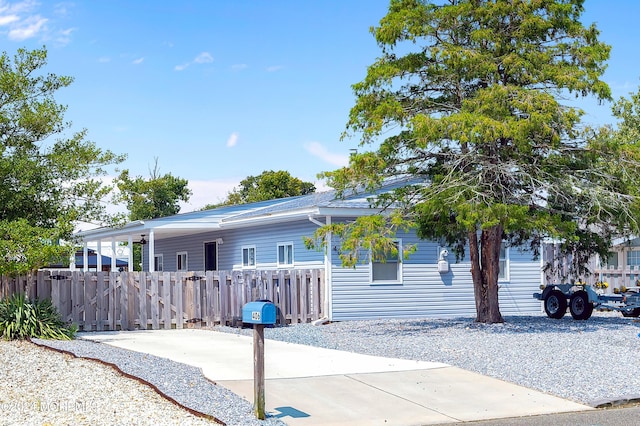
[[156, 300]]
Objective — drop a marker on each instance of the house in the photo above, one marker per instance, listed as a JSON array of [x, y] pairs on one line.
[[105, 260], [269, 235], [621, 268]]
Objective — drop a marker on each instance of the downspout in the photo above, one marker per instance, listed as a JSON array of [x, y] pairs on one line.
[[327, 274]]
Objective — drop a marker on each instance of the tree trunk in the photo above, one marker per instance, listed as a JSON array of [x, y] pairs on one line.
[[485, 268]]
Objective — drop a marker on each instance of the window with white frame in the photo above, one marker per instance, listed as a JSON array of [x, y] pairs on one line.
[[633, 258], [248, 256], [181, 261], [386, 266], [158, 263], [285, 254], [504, 263]]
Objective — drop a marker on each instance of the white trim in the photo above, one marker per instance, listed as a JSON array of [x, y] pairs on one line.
[[398, 279], [507, 260], [160, 263], [284, 244], [255, 260], [186, 260]]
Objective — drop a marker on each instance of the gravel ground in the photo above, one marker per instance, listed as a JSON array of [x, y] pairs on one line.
[[183, 383], [590, 362], [43, 387]]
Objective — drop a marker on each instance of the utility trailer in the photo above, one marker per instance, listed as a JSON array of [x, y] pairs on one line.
[[583, 299]]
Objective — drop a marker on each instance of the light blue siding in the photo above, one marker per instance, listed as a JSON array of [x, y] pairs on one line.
[[424, 292], [264, 238]]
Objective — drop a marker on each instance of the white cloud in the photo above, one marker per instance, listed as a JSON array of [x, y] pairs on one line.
[[203, 58], [104, 59], [208, 192], [318, 150], [138, 61], [274, 68], [233, 139], [7, 19], [28, 28], [23, 21], [64, 37], [62, 9], [17, 7], [239, 67]]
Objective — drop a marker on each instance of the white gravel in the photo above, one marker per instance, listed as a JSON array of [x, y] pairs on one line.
[[590, 362], [43, 387]]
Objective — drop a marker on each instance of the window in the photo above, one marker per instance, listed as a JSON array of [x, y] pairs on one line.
[[504, 263], [158, 263], [182, 261], [385, 267], [210, 256], [285, 254], [633, 258], [248, 257]]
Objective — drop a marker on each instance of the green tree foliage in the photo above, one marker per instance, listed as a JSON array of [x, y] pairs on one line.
[[157, 196], [467, 97], [268, 185], [50, 179]]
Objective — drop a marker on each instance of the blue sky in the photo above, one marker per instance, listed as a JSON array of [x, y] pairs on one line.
[[220, 90]]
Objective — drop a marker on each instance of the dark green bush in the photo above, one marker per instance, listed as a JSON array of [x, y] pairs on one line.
[[21, 318]]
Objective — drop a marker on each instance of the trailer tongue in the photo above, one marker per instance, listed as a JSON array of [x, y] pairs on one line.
[[583, 299]]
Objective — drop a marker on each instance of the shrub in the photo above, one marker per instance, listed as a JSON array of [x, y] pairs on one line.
[[21, 319]]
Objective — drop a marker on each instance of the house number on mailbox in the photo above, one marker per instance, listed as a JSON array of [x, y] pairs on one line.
[[255, 315]]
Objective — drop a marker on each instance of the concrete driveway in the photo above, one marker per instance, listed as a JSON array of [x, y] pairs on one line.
[[307, 385]]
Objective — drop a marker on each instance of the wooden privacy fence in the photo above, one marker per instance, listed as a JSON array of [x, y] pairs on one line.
[[163, 300]]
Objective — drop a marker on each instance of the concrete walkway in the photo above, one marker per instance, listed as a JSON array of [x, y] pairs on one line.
[[306, 385]]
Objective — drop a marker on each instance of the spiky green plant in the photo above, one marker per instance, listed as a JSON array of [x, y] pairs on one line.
[[21, 318]]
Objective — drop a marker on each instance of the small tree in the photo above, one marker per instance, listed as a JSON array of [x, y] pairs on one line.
[[268, 185], [158, 196], [49, 179], [467, 95]]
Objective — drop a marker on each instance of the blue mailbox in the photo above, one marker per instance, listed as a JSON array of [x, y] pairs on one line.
[[259, 312]]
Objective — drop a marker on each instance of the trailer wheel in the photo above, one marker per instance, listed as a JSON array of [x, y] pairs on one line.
[[633, 313], [579, 305], [555, 304]]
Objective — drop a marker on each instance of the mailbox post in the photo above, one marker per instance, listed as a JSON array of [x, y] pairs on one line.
[[258, 313]]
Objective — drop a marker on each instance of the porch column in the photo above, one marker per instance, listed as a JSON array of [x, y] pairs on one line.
[[130, 260], [72, 260], [151, 251], [114, 265], [99, 256], [85, 256]]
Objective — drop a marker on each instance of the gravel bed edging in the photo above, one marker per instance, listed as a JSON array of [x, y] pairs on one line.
[[131, 376], [180, 383]]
